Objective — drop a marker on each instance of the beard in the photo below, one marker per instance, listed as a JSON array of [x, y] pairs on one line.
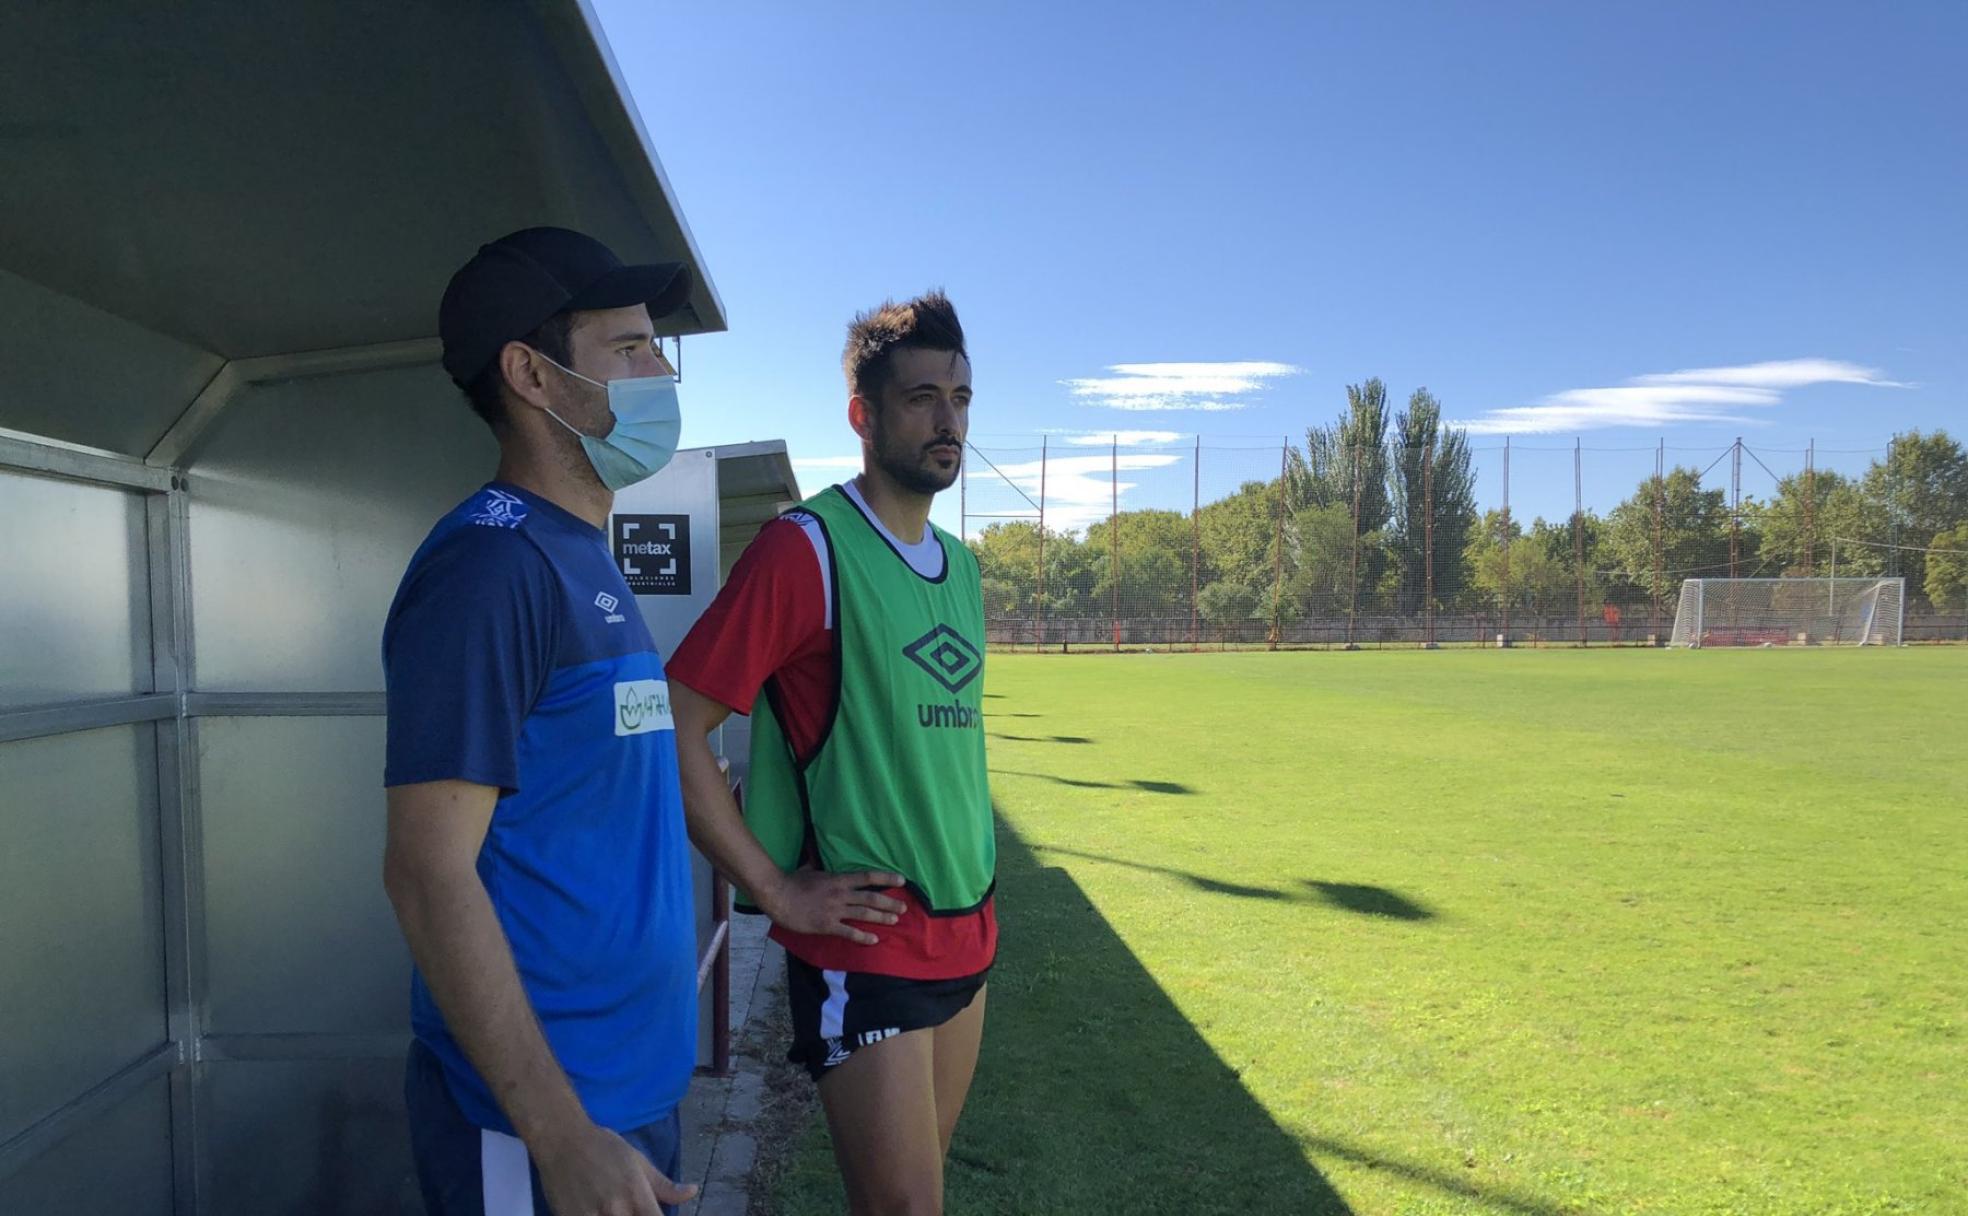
[[911, 466]]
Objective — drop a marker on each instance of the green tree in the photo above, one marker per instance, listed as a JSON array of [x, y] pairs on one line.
[[1240, 538], [1153, 575], [1923, 487], [1947, 570], [1838, 508], [1561, 550], [1227, 603], [1426, 457], [1008, 560], [1345, 465], [1694, 533], [1069, 577], [1532, 580], [1319, 563]]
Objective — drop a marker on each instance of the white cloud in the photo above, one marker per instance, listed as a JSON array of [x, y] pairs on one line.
[[1693, 395], [821, 463], [1781, 373], [1127, 439], [1212, 387], [1079, 489]]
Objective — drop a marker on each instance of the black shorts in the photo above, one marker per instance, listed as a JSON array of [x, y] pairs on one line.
[[837, 1012]]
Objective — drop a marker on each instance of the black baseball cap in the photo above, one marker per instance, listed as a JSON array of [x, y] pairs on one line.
[[513, 285]]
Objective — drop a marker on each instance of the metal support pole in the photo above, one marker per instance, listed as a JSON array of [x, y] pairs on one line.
[[1578, 530], [1353, 592], [1428, 539], [1195, 543], [1660, 504], [1735, 506], [721, 977], [1810, 508], [963, 501], [1506, 540], [1039, 637], [1278, 550], [1114, 536]]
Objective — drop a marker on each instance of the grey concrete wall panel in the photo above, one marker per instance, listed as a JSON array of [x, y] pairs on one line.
[[74, 594], [269, 208], [306, 504], [81, 932], [82, 375], [117, 1165], [301, 939], [308, 1138]]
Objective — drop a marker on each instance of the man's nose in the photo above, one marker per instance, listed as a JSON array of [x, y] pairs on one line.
[[652, 363]]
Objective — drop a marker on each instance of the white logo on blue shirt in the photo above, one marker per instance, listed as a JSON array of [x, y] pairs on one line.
[[498, 509], [642, 706], [607, 604]]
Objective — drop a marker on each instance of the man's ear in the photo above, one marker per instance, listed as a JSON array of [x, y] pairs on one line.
[[861, 416], [525, 374]]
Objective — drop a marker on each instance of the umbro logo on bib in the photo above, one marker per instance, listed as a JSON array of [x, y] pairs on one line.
[[642, 706], [947, 656]]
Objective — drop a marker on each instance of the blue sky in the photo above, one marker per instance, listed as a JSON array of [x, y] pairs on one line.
[[1618, 223]]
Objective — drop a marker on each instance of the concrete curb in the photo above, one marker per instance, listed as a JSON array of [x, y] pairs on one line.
[[719, 1147]]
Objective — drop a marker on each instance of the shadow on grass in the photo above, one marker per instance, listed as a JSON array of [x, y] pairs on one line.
[[1042, 738], [1094, 1095], [1370, 901], [1441, 1180], [1347, 896], [1151, 787]]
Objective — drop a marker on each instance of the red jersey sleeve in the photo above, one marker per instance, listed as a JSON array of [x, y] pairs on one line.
[[770, 612]]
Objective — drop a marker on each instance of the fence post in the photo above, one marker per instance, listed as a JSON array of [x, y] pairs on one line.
[[1278, 550], [1578, 529], [1428, 539]]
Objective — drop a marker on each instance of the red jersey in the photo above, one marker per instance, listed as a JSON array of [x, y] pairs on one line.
[[771, 621]]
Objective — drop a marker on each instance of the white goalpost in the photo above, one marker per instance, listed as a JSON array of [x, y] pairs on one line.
[[1790, 612]]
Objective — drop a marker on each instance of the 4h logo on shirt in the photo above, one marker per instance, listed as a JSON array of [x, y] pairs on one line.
[[607, 603], [947, 656], [642, 706]]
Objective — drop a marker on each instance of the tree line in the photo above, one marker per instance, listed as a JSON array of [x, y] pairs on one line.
[[1376, 513]]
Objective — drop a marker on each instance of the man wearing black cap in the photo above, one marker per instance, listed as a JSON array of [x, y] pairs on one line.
[[537, 858]]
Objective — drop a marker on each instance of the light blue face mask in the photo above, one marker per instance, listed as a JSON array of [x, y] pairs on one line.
[[648, 423]]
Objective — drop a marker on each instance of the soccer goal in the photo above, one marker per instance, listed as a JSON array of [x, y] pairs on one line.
[[1789, 612]]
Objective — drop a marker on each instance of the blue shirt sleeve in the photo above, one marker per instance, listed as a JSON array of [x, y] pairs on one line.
[[467, 649]]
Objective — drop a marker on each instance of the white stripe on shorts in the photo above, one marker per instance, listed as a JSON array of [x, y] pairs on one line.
[[504, 1174], [834, 1012]]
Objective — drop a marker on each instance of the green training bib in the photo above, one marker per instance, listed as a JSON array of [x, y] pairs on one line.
[[898, 782]]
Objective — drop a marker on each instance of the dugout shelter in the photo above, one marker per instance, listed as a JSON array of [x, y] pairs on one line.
[[223, 429]]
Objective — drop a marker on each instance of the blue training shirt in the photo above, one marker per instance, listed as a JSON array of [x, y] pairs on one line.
[[515, 657]]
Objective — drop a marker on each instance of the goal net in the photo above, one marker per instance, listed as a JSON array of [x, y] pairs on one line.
[[1789, 612]]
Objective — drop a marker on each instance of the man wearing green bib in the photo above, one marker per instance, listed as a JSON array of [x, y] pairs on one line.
[[867, 806]]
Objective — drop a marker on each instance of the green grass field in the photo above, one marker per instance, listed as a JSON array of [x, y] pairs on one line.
[[1525, 933]]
